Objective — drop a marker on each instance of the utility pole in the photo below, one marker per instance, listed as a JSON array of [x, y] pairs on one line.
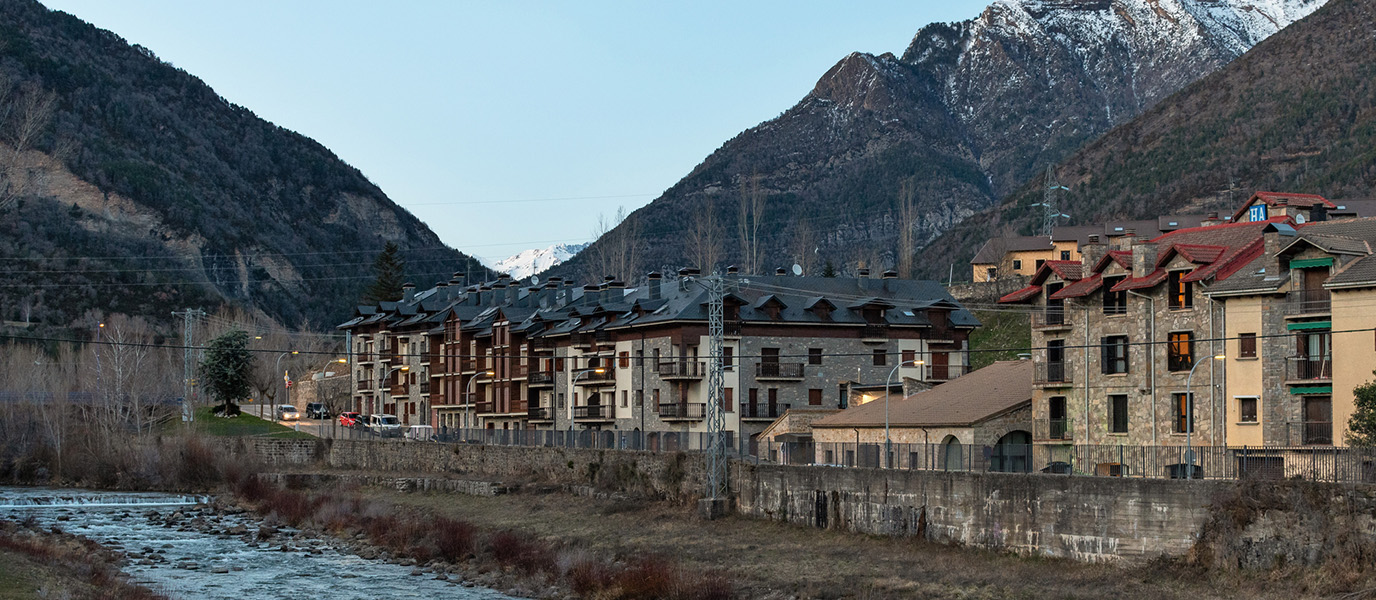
[[189, 319], [1050, 212], [717, 470]]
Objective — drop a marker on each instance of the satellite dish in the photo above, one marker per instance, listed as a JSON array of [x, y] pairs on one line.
[[797, 269], [534, 280]]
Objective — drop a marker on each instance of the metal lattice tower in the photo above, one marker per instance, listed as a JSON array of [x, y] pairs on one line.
[[189, 359], [716, 418], [1050, 212]]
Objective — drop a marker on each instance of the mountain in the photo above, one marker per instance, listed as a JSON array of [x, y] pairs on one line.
[[130, 186], [536, 261], [969, 112], [1296, 114]]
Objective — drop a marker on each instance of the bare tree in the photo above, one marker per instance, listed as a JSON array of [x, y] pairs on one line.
[[704, 236], [616, 251], [907, 220], [752, 199], [24, 115], [804, 245]]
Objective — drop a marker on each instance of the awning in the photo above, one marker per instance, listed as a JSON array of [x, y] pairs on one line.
[[1307, 325]]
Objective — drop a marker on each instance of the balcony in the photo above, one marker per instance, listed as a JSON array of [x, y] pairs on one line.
[[1308, 302], [773, 371], [425, 387], [1051, 374], [541, 379], [400, 389], [363, 357], [682, 411], [874, 333], [1049, 318], [1308, 370], [762, 411], [1052, 430], [944, 372], [593, 378], [485, 407], [540, 413], [599, 412], [438, 399], [731, 328], [1312, 433], [365, 385], [681, 370]]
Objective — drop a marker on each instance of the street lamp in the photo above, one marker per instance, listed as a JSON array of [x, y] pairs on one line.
[[468, 408], [285, 392], [1189, 415], [382, 385], [888, 444]]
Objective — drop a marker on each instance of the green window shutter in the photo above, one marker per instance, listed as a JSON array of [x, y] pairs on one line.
[[1311, 262]]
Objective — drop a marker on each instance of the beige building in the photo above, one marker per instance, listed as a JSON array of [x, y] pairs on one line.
[[948, 426]]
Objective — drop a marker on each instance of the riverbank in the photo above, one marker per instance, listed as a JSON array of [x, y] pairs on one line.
[[39, 564]]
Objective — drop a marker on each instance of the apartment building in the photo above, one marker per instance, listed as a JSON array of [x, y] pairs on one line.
[[1022, 255], [610, 357]]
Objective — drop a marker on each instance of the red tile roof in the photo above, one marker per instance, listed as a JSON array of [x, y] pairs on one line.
[[1136, 283], [1273, 198], [1068, 270], [1021, 295], [1198, 253], [1079, 289]]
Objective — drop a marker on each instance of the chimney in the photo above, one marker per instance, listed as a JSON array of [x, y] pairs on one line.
[[591, 295], [780, 271], [1318, 212], [1210, 220], [1091, 251], [862, 273], [890, 275], [1143, 258], [653, 281], [694, 272], [408, 292], [733, 270]]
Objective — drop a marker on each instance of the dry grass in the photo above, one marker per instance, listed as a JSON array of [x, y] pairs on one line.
[[767, 559], [43, 564]]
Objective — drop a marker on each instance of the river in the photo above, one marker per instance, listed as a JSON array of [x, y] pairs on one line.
[[183, 550]]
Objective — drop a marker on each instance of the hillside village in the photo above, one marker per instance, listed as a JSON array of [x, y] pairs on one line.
[[1239, 338]]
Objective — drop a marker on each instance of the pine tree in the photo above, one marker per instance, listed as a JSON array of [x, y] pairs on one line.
[[1361, 427], [225, 371], [829, 270], [391, 274]]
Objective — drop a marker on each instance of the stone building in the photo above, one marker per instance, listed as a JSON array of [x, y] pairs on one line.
[[609, 357], [1117, 335]]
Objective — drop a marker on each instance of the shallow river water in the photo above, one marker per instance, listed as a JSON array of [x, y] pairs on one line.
[[182, 563]]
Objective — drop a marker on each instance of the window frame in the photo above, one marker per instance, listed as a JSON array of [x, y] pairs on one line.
[[1180, 293], [1242, 416], [1177, 360], [1247, 345], [1182, 413], [1118, 414], [1114, 355]]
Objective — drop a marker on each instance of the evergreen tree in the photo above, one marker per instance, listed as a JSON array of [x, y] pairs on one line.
[[1361, 427], [391, 274], [226, 369], [829, 270]]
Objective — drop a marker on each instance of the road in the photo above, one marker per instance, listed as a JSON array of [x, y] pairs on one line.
[[325, 428]]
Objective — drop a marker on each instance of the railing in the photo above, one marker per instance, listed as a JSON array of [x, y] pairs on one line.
[[485, 407], [599, 412], [775, 370], [763, 410], [1050, 316], [439, 399], [400, 389], [731, 328], [1051, 373], [365, 385], [595, 378], [1316, 301], [944, 372], [1047, 429], [651, 441], [875, 331], [1312, 433], [682, 410], [425, 387], [1307, 369], [541, 378], [540, 413], [363, 357], [680, 370], [1115, 309]]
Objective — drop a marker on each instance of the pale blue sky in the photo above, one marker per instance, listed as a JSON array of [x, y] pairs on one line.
[[467, 113]]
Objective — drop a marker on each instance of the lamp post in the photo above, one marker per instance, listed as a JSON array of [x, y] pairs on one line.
[[285, 392], [888, 444], [468, 408], [573, 382], [382, 385], [1189, 415]]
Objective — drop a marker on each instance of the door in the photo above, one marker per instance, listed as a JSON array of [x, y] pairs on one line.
[[941, 362], [1055, 309], [769, 362], [1315, 297], [1055, 361], [1318, 420], [1057, 418], [773, 402]]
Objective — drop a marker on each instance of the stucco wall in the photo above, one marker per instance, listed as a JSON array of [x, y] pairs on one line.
[[1245, 375]]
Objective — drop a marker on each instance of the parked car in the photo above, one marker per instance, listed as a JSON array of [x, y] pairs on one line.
[[385, 425], [420, 433], [287, 412], [317, 410], [350, 419]]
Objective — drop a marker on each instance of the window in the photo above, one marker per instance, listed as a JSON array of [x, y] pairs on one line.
[[814, 397], [1181, 292], [1114, 354], [909, 357], [561, 401], [1065, 255], [814, 356], [728, 357], [1115, 303], [1040, 262], [1017, 265], [559, 364], [656, 397], [1184, 417], [1180, 351], [1247, 410], [993, 272], [729, 399], [1118, 413], [624, 361], [1247, 345], [881, 358], [625, 398], [640, 397]]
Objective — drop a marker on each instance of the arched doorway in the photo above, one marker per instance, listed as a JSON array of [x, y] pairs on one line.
[[952, 454], [1012, 453]]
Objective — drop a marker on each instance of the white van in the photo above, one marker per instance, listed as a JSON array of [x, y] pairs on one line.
[[384, 425], [420, 433]]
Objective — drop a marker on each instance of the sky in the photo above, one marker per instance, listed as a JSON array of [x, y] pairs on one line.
[[508, 125]]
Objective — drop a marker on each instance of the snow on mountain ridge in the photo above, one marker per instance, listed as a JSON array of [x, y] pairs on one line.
[[536, 260]]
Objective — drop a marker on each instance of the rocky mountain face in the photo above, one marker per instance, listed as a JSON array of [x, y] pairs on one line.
[[965, 115], [1296, 114], [537, 260], [130, 186]]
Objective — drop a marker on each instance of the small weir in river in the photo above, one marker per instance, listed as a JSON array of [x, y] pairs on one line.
[[180, 548]]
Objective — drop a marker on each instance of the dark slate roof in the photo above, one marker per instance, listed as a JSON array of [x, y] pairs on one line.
[[961, 402], [1358, 273]]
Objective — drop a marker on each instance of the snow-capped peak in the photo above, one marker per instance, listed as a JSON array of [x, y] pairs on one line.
[[538, 260]]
